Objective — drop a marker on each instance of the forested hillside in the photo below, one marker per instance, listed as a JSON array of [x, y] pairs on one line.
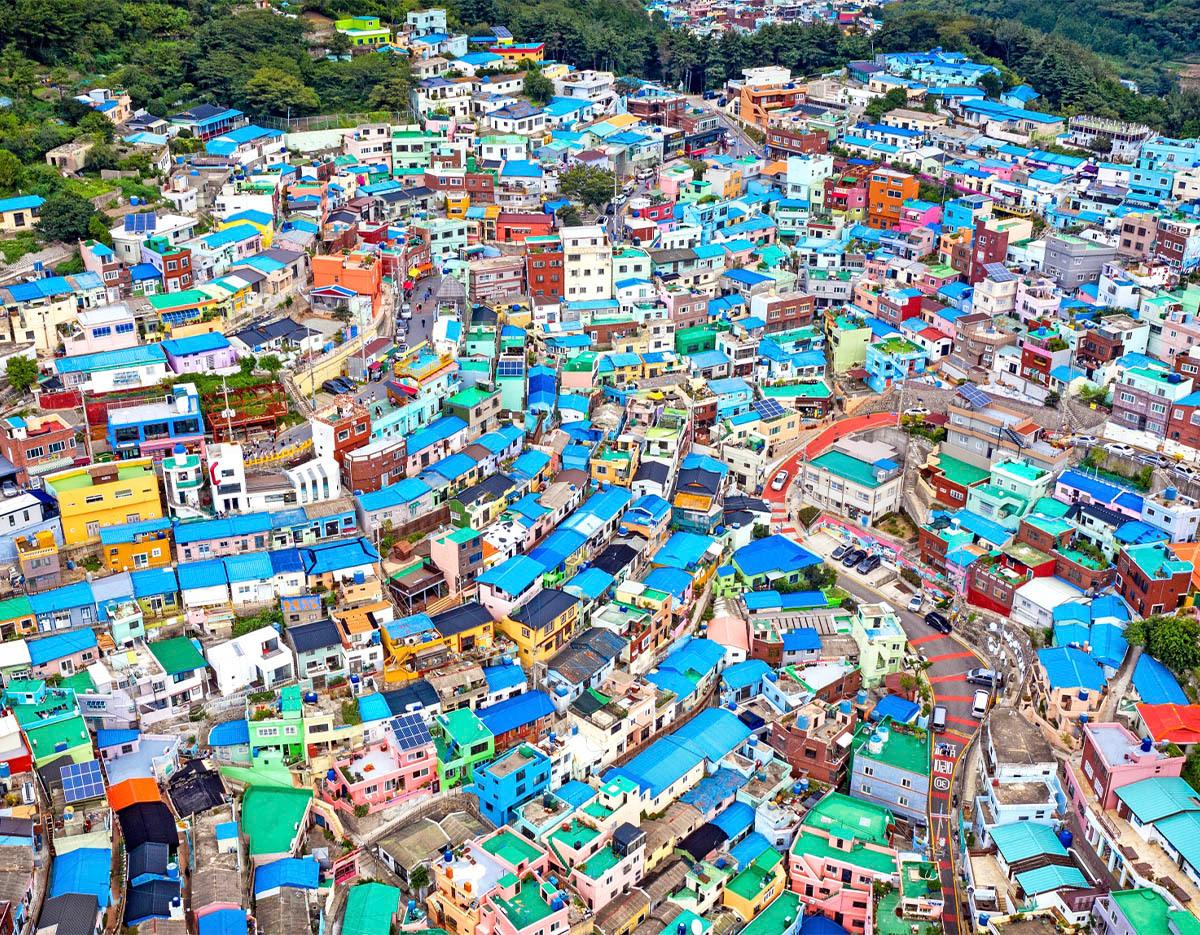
[[1141, 36], [172, 54]]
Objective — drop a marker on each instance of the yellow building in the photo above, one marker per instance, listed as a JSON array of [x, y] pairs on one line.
[[96, 496], [415, 644], [133, 546], [542, 626], [259, 220], [615, 463], [752, 890], [457, 204]]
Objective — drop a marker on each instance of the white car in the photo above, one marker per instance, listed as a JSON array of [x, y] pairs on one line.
[[915, 602], [916, 411], [780, 481], [1118, 448]]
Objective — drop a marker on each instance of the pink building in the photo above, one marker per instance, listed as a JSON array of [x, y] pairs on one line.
[[613, 869], [1113, 757], [684, 308], [1180, 331], [394, 769], [842, 850], [108, 328], [524, 906], [914, 214]]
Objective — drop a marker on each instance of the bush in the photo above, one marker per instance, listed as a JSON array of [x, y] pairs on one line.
[[350, 713], [911, 577], [361, 811], [808, 515]]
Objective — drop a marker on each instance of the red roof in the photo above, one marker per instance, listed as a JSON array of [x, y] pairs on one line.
[[932, 334], [1174, 723]]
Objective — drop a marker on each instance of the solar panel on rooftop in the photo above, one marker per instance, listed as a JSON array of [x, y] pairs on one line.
[[82, 781], [768, 408], [410, 731], [974, 396]]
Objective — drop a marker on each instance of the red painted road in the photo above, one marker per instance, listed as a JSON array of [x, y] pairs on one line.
[[823, 441]]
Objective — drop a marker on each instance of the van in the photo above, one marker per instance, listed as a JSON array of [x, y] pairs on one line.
[[938, 723], [979, 707]]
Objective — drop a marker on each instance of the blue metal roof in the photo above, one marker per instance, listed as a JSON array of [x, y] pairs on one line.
[[60, 645], [1155, 684], [300, 873], [229, 734], [1067, 667], [515, 712]]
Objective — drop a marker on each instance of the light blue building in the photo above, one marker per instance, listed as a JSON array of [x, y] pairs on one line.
[[509, 781]]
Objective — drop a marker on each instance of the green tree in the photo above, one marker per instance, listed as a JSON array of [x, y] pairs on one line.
[[12, 173], [588, 185], [22, 373], [97, 125], [270, 363], [418, 877], [247, 364], [275, 91], [895, 98], [66, 217], [536, 86], [101, 156], [568, 216], [698, 167], [1174, 640], [393, 92]]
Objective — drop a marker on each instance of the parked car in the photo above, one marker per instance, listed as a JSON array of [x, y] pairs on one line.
[[839, 552], [938, 723], [981, 676], [330, 387], [1086, 440], [980, 704], [9, 489], [780, 481], [915, 602], [916, 411], [853, 557], [869, 564], [938, 621], [1118, 448], [401, 348]]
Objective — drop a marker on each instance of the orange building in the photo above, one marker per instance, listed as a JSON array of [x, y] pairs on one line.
[[757, 102], [360, 272], [886, 193]]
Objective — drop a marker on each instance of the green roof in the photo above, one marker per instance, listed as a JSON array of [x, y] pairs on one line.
[[1048, 506], [961, 473], [177, 655], [511, 848], [471, 396], [44, 739], [848, 468], [756, 877], [370, 908], [1053, 877], [464, 727], [15, 607], [902, 750], [777, 917], [527, 907], [808, 844], [271, 818], [81, 681], [805, 390], [599, 863], [1020, 840], [176, 299], [1022, 469], [1144, 910], [1157, 561], [850, 818]]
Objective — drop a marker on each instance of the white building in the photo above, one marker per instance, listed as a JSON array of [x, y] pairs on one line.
[[260, 656], [587, 263]]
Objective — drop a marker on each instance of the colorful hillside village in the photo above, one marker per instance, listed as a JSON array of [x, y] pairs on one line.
[[797, 537]]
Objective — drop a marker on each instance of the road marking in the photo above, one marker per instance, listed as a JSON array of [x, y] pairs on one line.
[[958, 655], [965, 738], [928, 639], [941, 698], [940, 679], [962, 720]]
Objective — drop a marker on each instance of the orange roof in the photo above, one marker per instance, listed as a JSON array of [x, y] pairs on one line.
[[1189, 552], [1174, 723], [132, 791]]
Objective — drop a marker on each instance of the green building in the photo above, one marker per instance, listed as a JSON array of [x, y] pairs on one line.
[[462, 741]]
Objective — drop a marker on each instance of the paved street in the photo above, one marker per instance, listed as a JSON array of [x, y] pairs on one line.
[[949, 660]]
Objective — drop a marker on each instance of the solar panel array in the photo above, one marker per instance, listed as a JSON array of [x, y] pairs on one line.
[[768, 408], [82, 781], [974, 396], [141, 223], [410, 731], [508, 367]]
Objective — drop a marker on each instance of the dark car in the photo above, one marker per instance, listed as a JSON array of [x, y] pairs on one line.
[[840, 551], [853, 557], [329, 386], [983, 677], [869, 564], [937, 621]]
